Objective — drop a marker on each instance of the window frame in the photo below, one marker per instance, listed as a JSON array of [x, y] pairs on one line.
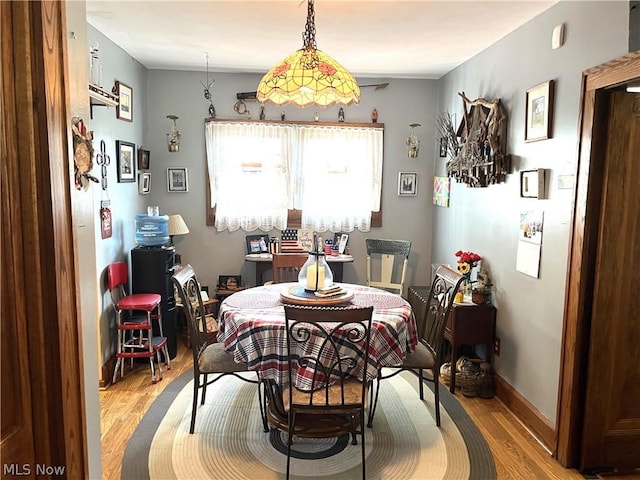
[[294, 217]]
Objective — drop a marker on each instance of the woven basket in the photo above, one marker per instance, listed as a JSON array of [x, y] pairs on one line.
[[463, 379]]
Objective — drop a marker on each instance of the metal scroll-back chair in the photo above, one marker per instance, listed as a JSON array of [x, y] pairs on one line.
[[428, 352], [134, 316], [390, 253], [322, 342], [208, 358]]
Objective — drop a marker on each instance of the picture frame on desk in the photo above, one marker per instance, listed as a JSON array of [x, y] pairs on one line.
[[257, 243], [229, 282]]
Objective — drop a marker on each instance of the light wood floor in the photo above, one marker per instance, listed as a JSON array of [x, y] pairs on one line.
[[517, 454]]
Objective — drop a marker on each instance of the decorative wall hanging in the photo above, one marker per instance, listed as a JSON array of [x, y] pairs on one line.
[[539, 110], [82, 154], [407, 184], [124, 109], [479, 157], [106, 224], [174, 136], [126, 152], [412, 142], [207, 92], [103, 160]]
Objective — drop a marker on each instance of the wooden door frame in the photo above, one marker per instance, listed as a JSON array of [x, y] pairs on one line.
[[592, 142], [44, 281]]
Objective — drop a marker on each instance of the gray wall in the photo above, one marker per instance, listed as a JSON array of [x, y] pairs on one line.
[[125, 201], [530, 310], [214, 253]]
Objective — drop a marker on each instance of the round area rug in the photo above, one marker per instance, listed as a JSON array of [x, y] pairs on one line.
[[229, 441]]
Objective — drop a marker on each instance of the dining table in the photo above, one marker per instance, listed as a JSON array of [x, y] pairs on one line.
[[251, 326]]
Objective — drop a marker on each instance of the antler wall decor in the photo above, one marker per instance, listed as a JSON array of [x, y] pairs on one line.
[[479, 158]]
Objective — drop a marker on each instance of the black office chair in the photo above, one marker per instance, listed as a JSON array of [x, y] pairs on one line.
[[428, 352]]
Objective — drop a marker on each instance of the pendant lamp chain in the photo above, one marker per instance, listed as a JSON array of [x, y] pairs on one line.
[[310, 57]]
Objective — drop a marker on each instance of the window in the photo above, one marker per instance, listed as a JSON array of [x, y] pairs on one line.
[[310, 175]]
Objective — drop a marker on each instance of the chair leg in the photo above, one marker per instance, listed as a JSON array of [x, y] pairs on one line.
[[194, 403], [364, 473], [204, 388], [436, 394], [291, 428], [373, 404], [421, 378], [262, 400]]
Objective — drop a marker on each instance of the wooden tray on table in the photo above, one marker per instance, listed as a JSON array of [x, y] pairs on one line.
[[297, 295]]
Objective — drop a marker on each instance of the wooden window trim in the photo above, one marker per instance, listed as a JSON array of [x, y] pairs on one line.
[[294, 218]]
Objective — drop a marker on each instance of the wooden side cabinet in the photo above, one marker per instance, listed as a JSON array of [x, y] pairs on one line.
[[470, 325]]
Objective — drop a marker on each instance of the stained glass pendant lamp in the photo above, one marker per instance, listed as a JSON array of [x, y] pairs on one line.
[[308, 76]]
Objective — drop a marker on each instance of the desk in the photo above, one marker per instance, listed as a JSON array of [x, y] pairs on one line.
[[263, 263], [252, 328]]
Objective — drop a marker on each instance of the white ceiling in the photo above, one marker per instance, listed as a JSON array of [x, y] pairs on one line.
[[374, 38]]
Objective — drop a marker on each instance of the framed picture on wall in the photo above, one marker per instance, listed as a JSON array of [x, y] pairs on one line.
[[124, 109], [143, 159], [539, 112], [144, 183], [407, 184], [126, 153], [177, 179]]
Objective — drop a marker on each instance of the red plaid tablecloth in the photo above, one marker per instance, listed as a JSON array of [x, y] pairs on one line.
[[252, 328]]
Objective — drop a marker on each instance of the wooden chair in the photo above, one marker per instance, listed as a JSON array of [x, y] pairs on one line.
[[336, 397], [428, 352], [134, 319], [286, 266], [208, 358], [387, 251]]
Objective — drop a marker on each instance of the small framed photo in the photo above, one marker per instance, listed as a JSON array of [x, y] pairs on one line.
[[532, 184], [257, 243], [144, 183], [443, 147], [126, 153], [177, 180], [539, 112], [143, 159], [407, 184], [342, 244], [124, 109]]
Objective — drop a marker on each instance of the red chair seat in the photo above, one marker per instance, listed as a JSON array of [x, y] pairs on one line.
[[140, 301]]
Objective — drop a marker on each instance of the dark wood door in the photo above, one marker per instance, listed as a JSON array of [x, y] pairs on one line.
[[611, 428]]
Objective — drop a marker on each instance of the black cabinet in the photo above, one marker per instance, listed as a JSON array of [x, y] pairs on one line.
[[151, 270]]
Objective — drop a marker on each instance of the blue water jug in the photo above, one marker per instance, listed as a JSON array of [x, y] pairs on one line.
[[152, 231]]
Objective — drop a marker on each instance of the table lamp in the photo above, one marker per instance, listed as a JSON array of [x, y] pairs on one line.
[[176, 226]]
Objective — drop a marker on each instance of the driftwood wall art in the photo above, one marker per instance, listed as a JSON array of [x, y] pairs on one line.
[[477, 149]]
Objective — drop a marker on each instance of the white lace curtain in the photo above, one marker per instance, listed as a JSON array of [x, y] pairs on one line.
[[257, 171]]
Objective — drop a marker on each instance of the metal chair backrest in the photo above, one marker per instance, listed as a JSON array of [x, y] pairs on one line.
[[331, 346], [286, 266], [392, 253], [188, 288], [444, 287]]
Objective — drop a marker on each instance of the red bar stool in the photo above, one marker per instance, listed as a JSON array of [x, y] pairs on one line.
[[135, 331]]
